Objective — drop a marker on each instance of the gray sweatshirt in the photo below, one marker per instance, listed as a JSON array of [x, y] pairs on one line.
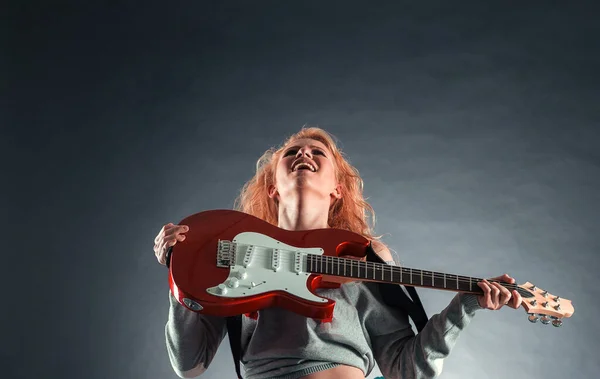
[[364, 331]]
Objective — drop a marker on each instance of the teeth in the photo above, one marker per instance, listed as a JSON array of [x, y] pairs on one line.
[[304, 164]]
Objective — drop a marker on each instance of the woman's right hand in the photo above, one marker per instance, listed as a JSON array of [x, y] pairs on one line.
[[168, 236]]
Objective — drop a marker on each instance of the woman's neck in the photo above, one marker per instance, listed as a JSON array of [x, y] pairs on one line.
[[303, 214]]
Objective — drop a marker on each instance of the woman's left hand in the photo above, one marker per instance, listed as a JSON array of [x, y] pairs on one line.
[[495, 296]]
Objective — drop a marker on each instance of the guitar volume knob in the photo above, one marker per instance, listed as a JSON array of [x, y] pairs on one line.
[[233, 282], [241, 274], [221, 289]]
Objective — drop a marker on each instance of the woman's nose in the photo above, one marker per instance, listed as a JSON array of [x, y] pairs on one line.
[[304, 151]]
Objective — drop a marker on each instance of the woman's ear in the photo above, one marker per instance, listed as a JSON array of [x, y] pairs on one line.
[[272, 191], [337, 192]]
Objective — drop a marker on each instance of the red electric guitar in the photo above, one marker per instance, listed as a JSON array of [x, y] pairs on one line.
[[232, 263]]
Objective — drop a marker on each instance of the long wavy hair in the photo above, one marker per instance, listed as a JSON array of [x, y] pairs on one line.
[[351, 212]]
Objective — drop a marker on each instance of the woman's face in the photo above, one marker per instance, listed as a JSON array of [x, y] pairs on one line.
[[305, 165]]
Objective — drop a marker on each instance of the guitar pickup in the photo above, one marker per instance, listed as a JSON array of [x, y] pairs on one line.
[[248, 255], [276, 259], [297, 262]]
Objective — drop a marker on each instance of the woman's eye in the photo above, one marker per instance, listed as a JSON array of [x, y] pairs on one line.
[[289, 152], [318, 152]]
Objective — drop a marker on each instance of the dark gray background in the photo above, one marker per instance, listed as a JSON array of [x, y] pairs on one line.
[[474, 125]]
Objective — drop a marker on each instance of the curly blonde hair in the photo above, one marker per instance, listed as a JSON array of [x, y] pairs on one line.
[[351, 212]]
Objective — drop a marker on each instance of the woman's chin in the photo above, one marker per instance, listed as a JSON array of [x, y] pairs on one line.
[[307, 187]]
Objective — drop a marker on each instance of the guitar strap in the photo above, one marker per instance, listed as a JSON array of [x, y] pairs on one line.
[[392, 295], [234, 330]]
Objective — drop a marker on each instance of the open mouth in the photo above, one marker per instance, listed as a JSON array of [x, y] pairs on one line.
[[304, 166]]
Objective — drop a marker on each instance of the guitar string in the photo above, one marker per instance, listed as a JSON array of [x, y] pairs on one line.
[[465, 280], [449, 278], [371, 265]]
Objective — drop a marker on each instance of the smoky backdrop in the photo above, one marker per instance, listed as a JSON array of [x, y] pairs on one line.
[[475, 126]]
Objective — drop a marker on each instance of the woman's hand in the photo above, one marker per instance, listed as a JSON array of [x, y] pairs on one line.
[[168, 236], [495, 296]]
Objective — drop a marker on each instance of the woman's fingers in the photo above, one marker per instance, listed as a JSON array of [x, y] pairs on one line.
[[517, 299], [173, 231], [161, 233], [491, 298], [496, 295], [485, 300], [504, 278], [168, 236], [503, 294]]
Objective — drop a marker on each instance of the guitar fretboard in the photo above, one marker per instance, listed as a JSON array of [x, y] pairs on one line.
[[381, 272]]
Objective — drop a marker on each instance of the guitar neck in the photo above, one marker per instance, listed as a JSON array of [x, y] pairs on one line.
[[384, 273]]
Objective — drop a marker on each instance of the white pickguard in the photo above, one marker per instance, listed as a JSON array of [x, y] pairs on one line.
[[263, 264]]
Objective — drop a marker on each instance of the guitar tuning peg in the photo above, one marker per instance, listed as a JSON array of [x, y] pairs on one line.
[[532, 318], [557, 322], [545, 320]]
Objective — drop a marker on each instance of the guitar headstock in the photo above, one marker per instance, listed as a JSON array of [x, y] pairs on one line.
[[542, 305]]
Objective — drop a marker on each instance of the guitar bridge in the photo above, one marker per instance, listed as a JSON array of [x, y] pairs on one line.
[[226, 254]]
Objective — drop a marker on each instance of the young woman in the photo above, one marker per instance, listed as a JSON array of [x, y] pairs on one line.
[[308, 184]]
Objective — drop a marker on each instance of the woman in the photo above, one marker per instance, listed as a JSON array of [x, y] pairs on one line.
[[308, 184]]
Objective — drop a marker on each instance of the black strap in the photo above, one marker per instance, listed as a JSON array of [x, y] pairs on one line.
[[234, 330], [419, 315], [394, 296]]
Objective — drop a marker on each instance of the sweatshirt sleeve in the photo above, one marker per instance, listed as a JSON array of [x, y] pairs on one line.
[[400, 353], [192, 339]]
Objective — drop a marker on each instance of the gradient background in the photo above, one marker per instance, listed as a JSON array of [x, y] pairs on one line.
[[474, 125]]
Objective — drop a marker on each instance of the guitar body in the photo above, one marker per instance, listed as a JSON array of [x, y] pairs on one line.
[[232, 263]]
